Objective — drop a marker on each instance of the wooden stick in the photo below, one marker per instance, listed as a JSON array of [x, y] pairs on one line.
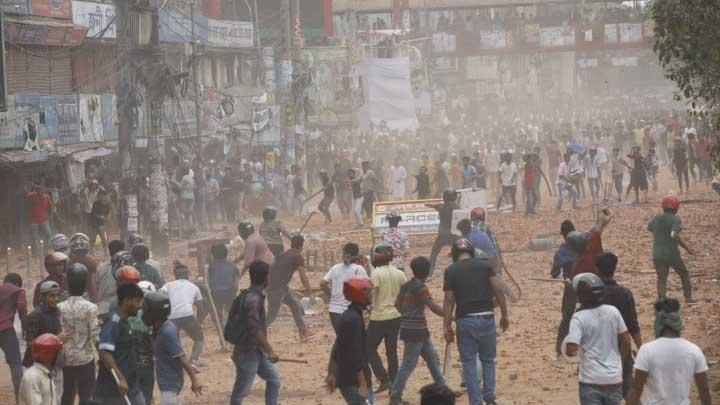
[[293, 361], [547, 280], [446, 360], [117, 381], [216, 318]]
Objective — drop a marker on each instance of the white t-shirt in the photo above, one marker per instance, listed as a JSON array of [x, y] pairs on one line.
[[183, 294], [671, 364], [596, 330], [507, 172], [336, 276]]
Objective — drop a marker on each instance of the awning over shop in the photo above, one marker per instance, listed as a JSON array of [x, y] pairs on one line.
[[78, 153], [34, 30]]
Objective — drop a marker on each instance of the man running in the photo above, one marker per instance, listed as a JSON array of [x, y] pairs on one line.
[[445, 236], [278, 290], [666, 229]]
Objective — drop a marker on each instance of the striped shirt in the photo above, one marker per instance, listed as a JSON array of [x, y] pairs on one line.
[[413, 296]]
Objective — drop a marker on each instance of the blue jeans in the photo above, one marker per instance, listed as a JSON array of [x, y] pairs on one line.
[[563, 191], [477, 337], [591, 394], [351, 395], [40, 232], [531, 200], [247, 366], [412, 351], [358, 211]]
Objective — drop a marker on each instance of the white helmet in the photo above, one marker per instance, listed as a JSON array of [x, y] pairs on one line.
[[146, 286]]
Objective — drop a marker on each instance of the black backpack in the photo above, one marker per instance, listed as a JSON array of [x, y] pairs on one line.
[[234, 330]]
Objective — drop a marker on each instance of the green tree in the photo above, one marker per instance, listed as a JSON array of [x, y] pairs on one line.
[[687, 43]]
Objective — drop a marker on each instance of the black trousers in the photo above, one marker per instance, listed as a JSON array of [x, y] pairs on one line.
[[368, 200], [569, 301], [377, 331], [334, 318], [78, 381]]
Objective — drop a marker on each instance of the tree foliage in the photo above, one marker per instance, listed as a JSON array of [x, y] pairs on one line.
[[687, 43]]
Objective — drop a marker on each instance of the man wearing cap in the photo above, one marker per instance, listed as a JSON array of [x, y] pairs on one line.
[[670, 363], [601, 333]]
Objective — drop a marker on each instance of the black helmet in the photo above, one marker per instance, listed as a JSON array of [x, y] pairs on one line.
[[589, 289], [77, 275], [577, 241], [245, 229], [269, 213], [120, 259], [156, 307], [449, 195], [134, 239]]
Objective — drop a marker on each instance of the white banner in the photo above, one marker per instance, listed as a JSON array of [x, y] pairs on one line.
[[492, 40], [388, 94], [630, 32], [91, 125], [611, 35], [260, 112], [94, 16], [557, 36], [230, 34]]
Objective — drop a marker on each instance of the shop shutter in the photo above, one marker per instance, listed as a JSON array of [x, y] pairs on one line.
[[36, 70]]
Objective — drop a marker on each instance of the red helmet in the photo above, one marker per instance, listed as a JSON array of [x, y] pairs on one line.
[[46, 347], [55, 258], [670, 201], [477, 213], [128, 274], [357, 290]]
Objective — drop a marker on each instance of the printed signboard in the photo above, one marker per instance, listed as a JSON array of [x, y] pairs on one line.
[[96, 17], [230, 34], [51, 8], [417, 218]]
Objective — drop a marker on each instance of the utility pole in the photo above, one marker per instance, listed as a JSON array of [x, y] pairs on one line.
[[155, 75], [195, 58], [124, 86]]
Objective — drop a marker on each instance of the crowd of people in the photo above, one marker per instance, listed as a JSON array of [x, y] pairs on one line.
[[117, 323]]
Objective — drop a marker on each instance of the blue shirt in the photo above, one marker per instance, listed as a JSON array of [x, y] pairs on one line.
[[563, 261], [223, 275], [116, 337], [481, 241], [168, 370], [469, 172]]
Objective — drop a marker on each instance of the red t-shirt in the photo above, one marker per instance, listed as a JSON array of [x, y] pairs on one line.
[[39, 205], [529, 176], [586, 262]]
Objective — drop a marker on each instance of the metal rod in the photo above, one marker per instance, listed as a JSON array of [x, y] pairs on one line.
[[293, 361], [28, 256], [9, 253]]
